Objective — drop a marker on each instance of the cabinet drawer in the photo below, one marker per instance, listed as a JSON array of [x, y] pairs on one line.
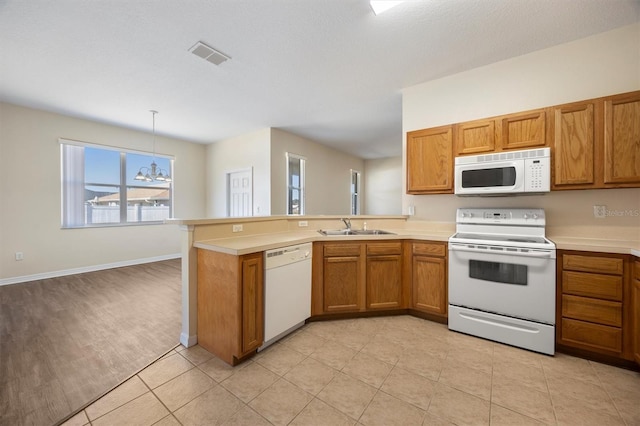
[[374, 249], [332, 250], [592, 310], [604, 265], [595, 336], [432, 249], [592, 285]]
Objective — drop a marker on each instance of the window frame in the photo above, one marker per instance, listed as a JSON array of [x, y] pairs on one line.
[[122, 185], [302, 164], [356, 201]]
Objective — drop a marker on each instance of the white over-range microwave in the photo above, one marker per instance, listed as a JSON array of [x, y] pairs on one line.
[[504, 173]]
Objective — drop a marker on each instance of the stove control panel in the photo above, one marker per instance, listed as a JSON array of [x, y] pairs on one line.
[[487, 216]]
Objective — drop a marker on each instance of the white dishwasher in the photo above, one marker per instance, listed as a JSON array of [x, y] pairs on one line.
[[287, 291]]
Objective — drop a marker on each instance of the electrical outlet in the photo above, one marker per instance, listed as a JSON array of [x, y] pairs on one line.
[[237, 228], [302, 223], [599, 211], [412, 210], [19, 255]]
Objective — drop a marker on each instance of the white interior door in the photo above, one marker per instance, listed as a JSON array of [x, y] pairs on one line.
[[240, 193]]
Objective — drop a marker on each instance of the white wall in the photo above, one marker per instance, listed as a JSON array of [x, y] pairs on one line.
[[327, 174], [243, 152], [383, 182], [30, 200], [604, 64]]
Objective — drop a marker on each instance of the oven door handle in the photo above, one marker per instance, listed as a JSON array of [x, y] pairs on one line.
[[538, 254]]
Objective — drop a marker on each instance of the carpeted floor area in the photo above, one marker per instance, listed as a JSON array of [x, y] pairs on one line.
[[65, 341]]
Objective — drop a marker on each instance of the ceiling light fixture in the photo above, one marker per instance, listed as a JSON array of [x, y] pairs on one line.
[[383, 5], [153, 172], [208, 53]]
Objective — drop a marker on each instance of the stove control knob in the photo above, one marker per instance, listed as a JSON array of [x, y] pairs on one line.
[[526, 216], [535, 216]]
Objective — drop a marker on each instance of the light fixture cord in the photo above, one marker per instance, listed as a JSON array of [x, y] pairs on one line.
[[154, 135]]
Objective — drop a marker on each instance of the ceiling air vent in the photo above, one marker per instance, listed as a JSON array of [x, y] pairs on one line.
[[208, 53]]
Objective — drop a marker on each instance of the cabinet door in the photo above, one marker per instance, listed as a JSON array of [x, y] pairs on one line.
[[429, 284], [475, 137], [523, 130], [430, 161], [252, 303], [384, 282], [622, 140], [342, 284], [573, 133]]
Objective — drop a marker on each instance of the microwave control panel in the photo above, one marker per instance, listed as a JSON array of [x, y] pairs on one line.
[[537, 177]]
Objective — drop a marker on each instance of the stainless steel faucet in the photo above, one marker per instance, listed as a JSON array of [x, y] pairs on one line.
[[347, 222]]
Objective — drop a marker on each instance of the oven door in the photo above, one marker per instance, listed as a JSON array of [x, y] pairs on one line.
[[500, 177], [520, 285]]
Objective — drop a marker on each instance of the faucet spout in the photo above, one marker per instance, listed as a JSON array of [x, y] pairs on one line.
[[347, 222]]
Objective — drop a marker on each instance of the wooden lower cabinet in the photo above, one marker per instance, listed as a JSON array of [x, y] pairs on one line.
[[357, 276], [341, 278], [595, 309], [230, 304], [342, 284], [429, 277], [384, 276], [635, 296]]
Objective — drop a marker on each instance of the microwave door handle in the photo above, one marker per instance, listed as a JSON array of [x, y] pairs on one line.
[[540, 254]]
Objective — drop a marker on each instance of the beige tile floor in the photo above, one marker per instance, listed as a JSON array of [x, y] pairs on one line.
[[376, 371]]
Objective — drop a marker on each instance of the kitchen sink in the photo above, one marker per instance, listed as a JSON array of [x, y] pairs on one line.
[[336, 232], [339, 232], [372, 232]]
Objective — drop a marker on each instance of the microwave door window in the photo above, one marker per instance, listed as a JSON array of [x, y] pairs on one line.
[[486, 178], [508, 273]]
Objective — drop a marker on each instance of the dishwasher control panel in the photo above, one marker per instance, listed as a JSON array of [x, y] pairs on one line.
[[287, 255]]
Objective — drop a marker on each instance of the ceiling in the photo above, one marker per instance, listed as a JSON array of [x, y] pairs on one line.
[[328, 70]]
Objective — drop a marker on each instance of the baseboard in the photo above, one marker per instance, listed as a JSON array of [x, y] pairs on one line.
[[188, 341], [92, 268]]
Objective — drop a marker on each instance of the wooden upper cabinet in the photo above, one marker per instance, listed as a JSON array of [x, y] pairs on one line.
[[475, 137], [522, 130], [622, 139], [574, 145], [430, 161]]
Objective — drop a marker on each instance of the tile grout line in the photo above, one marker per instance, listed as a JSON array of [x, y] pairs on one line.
[[609, 395], [116, 387]]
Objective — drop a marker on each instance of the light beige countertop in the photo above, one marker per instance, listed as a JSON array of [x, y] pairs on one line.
[[597, 245], [418, 230], [255, 243]]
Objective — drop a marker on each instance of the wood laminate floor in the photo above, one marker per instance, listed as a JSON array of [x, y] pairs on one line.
[[65, 341]]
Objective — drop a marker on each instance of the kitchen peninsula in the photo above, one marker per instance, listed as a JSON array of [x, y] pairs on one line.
[[420, 247]]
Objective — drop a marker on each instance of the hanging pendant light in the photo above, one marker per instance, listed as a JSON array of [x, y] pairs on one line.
[[153, 172]]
